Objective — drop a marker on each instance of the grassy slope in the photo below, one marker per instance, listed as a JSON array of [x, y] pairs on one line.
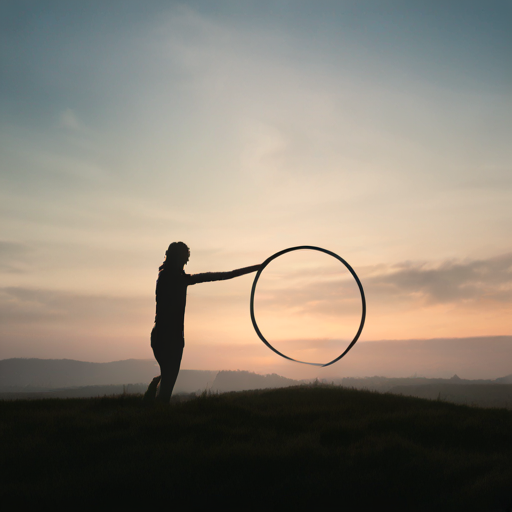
[[288, 448]]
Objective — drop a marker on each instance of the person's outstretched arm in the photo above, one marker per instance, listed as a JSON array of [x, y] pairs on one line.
[[221, 276]]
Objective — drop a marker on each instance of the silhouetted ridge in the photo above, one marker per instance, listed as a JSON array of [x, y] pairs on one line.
[[243, 381], [49, 374]]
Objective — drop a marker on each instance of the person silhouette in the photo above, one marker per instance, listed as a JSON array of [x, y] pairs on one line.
[[167, 336]]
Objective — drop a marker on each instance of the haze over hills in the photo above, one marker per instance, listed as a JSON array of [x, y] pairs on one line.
[[470, 358], [50, 378], [482, 357], [51, 375], [41, 375], [424, 368]]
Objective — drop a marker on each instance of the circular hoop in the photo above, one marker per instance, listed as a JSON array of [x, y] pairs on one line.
[[350, 269]]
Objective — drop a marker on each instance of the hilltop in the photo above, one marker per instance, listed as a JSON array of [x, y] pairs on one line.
[[310, 446]]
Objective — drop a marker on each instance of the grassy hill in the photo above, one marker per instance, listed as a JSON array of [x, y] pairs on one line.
[[298, 447]]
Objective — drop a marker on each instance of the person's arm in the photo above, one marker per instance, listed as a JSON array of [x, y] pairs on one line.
[[221, 276]]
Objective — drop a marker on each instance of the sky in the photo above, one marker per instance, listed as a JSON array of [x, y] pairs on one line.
[[379, 131]]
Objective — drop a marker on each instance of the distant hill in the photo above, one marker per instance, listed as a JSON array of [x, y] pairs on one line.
[[244, 381], [385, 384], [47, 374], [472, 358], [43, 375], [77, 392], [64, 378], [69, 378], [482, 395]]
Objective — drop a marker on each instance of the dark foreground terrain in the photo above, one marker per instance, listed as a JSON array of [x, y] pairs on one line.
[[291, 448]]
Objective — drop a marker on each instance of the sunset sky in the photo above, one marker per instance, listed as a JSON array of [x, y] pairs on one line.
[[380, 131]]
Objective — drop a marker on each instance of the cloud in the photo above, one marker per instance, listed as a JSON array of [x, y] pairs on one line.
[[484, 283], [449, 282], [13, 256], [338, 296], [416, 284], [30, 306]]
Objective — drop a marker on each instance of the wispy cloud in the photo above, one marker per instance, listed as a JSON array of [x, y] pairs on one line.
[[413, 284], [448, 282], [13, 256], [28, 306]]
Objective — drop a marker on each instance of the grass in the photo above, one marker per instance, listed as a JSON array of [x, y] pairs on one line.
[[295, 447]]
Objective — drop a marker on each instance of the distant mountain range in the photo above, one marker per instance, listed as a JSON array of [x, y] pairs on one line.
[[40, 375], [483, 393], [474, 358], [64, 378], [31, 376]]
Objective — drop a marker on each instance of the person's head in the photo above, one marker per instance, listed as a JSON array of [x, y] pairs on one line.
[[177, 255]]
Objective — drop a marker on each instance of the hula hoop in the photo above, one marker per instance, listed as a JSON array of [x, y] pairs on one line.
[[350, 269]]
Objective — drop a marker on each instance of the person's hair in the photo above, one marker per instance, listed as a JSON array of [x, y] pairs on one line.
[[176, 255]]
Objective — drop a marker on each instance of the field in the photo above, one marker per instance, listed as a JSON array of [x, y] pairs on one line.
[[307, 446]]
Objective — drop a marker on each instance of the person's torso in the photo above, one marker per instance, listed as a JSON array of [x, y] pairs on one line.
[[171, 299]]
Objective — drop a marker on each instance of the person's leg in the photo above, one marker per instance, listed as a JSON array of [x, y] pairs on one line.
[[169, 356], [150, 394]]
